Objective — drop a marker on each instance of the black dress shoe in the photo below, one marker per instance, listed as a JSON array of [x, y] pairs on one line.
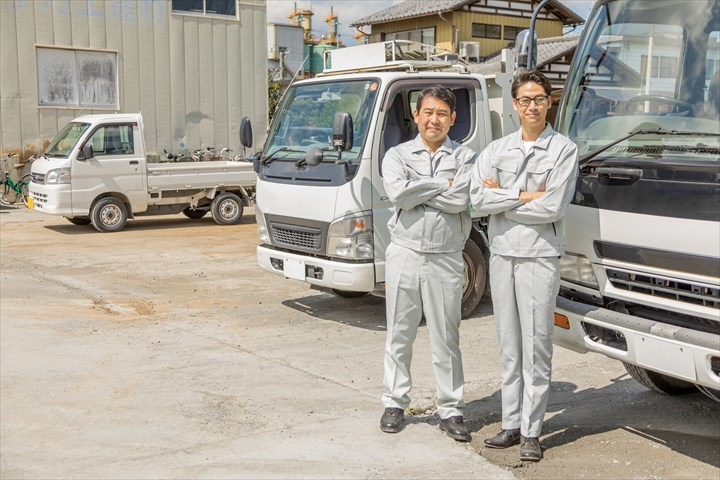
[[392, 420], [530, 450], [504, 439], [455, 428]]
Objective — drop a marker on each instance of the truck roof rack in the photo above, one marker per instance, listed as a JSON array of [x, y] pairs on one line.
[[389, 55]]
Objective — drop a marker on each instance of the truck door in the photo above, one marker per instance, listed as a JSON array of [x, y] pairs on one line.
[[396, 125], [118, 166]]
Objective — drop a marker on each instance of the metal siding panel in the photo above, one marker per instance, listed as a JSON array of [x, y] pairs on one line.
[[130, 56], [246, 58], [27, 88], [234, 94], [79, 24], [114, 41], [204, 77], [221, 85], [147, 58], [97, 20], [260, 69], [178, 97], [193, 111], [162, 80], [9, 80], [62, 25]]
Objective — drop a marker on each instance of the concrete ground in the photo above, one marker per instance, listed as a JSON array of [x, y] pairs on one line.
[[163, 351]]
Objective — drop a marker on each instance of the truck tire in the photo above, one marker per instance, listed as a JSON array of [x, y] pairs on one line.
[[658, 382], [109, 215], [348, 294], [79, 220], [196, 214], [227, 209], [475, 275]]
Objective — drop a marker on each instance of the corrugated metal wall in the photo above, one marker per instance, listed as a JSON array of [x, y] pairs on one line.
[[193, 77]]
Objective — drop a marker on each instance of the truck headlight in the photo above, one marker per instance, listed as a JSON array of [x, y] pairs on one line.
[[577, 269], [263, 234], [58, 176], [351, 237]]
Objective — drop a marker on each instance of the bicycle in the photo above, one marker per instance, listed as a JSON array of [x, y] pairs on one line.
[[12, 191]]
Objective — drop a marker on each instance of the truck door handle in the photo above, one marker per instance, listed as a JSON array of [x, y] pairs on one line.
[[134, 162], [622, 173]]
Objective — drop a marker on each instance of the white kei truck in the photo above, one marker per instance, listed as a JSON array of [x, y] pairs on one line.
[[640, 281], [95, 171]]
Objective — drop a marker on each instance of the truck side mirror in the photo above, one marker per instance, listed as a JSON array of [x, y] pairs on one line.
[[522, 50], [246, 136], [342, 132], [86, 153]]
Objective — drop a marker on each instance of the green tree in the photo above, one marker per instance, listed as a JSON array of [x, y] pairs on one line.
[[275, 91]]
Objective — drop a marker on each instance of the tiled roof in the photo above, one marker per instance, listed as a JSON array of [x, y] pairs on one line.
[[421, 8], [548, 49]]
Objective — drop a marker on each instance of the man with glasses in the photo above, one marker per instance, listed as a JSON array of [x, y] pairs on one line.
[[525, 181]]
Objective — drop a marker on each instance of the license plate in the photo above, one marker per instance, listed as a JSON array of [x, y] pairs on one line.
[[670, 357], [31, 204], [294, 269]]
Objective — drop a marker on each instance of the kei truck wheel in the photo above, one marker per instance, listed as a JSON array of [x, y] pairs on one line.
[[109, 215]]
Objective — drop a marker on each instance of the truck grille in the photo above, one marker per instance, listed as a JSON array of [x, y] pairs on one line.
[[661, 287], [296, 237], [38, 178], [38, 198]]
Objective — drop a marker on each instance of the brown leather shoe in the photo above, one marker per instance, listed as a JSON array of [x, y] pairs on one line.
[[392, 419], [504, 439], [455, 428], [530, 450]]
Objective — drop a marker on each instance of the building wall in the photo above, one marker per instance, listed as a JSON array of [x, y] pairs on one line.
[[192, 77]]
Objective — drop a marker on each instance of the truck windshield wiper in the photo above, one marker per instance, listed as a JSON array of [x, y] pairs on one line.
[[585, 159], [271, 157]]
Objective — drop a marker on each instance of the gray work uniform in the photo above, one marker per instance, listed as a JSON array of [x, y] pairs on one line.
[[526, 241], [424, 266]]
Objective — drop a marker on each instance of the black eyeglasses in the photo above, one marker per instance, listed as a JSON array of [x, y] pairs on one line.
[[539, 100]]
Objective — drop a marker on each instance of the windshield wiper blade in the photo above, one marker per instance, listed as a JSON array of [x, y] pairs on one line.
[[265, 161], [590, 155]]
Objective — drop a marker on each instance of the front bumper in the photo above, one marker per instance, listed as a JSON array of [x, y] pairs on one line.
[[353, 277], [52, 199], [674, 351]]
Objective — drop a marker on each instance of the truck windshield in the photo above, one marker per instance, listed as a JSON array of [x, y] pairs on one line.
[[305, 119], [646, 66], [65, 140]]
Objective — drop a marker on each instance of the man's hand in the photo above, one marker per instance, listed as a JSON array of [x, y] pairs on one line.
[[526, 197], [490, 182], [450, 182]]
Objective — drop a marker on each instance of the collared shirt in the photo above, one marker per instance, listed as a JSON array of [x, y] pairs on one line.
[[431, 216], [537, 228]]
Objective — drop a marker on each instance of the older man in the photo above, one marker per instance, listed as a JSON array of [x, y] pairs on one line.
[[525, 181], [427, 180]]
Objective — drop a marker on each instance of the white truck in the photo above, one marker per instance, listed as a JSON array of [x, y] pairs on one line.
[[95, 171], [322, 210], [641, 279]]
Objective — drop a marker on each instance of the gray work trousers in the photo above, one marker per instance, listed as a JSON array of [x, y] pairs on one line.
[[523, 295], [429, 284]]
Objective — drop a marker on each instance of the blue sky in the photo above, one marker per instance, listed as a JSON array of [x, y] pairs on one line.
[[350, 10]]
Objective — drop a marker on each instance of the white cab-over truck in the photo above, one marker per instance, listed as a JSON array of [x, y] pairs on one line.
[[322, 209], [95, 171]]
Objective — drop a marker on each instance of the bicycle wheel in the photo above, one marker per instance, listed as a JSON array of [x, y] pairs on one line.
[[25, 188], [8, 196]]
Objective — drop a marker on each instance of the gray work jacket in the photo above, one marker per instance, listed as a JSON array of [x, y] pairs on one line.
[[537, 228], [430, 215]]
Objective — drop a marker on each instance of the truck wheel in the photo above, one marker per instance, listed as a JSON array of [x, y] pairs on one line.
[[475, 274], [348, 294], [78, 220], [194, 214], [227, 209], [109, 215], [658, 382]]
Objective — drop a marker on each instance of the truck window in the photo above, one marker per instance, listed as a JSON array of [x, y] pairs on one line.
[[113, 140], [65, 140]]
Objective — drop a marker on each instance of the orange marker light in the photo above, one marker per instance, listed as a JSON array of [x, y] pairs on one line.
[[562, 321]]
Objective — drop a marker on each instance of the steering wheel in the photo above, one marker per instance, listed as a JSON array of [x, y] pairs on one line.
[[682, 107]]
